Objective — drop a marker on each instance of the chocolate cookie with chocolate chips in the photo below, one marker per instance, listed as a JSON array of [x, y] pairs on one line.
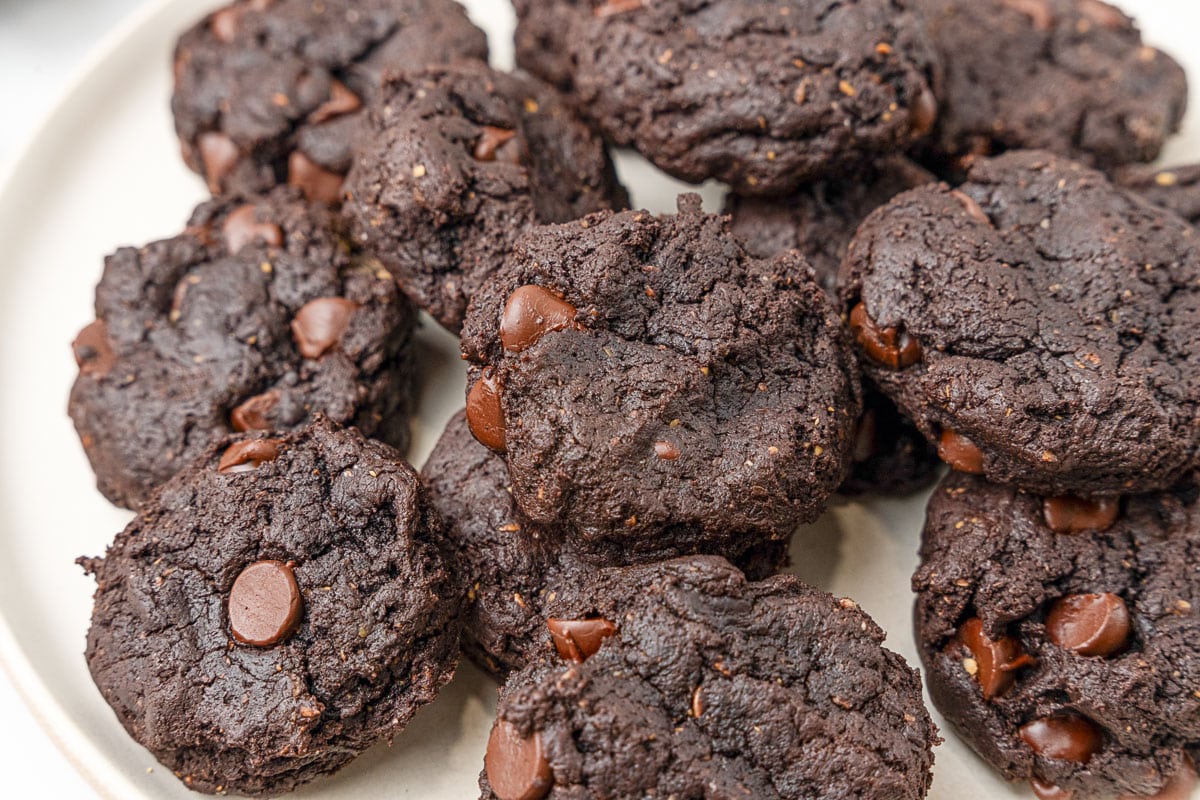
[[268, 91], [655, 387], [1176, 188], [456, 163], [274, 610], [508, 567], [764, 96], [1070, 76], [1039, 324], [255, 317], [1061, 637], [683, 679]]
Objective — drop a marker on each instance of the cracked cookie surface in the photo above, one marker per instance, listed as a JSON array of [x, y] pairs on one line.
[[702, 684], [255, 317], [370, 636], [1039, 324]]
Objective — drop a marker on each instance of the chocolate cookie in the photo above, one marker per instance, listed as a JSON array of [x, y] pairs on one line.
[[1061, 637], [268, 91], [456, 163], [509, 568], [654, 387], [1176, 189], [255, 317], [1039, 324], [683, 679], [764, 96], [1070, 76], [274, 610]]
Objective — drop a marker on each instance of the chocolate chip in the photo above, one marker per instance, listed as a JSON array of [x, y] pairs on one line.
[[498, 144], [1077, 515], [924, 113], [579, 639], [249, 455], [960, 453], [1089, 624], [219, 156], [485, 415], [530, 313], [318, 184], [255, 413], [1101, 14], [320, 323], [996, 660], [265, 605], [1180, 787], [613, 7], [224, 24], [1039, 12], [93, 350], [666, 451], [1067, 737], [890, 347], [516, 766], [341, 101], [866, 436], [242, 228], [1048, 791], [974, 210]]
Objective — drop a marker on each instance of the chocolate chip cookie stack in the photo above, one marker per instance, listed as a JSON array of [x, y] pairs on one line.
[[655, 402]]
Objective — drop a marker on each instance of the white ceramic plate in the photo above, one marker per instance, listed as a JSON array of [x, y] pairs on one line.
[[104, 170]]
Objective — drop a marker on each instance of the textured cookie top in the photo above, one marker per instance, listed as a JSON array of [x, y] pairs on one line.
[[652, 384], [1070, 76], [1098, 623], [762, 95], [255, 317], [455, 164], [1047, 317], [322, 539], [268, 91], [702, 684]]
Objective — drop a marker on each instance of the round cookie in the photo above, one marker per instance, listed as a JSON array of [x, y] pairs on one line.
[[1070, 76], [273, 91], [1066, 655], [1175, 189], [655, 387], [509, 568], [762, 95], [274, 610], [683, 679], [255, 317], [456, 163], [1039, 324]]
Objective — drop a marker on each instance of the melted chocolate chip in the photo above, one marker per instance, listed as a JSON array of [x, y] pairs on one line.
[[485, 415], [219, 156], [579, 639], [923, 113], [666, 450], [93, 350], [1180, 787], [889, 347], [530, 313], [265, 606], [1089, 624], [516, 766], [1048, 791], [974, 210], [996, 660], [320, 324], [242, 228], [341, 101], [249, 455], [255, 413], [1068, 737], [498, 144], [1077, 515], [318, 184], [1101, 14], [960, 453]]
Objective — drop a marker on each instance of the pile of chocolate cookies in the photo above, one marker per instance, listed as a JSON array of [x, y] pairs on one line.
[[942, 244]]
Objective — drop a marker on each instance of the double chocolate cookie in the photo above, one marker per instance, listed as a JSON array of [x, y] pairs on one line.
[[274, 610], [508, 567], [255, 317], [764, 96], [1039, 324], [655, 387], [456, 163], [683, 679], [268, 91], [1062, 638], [1070, 76]]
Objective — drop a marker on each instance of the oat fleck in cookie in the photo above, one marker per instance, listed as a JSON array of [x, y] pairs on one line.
[[683, 679], [1060, 636], [274, 610], [254, 318]]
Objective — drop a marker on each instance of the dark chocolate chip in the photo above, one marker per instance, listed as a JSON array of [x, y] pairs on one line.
[[1180, 787], [242, 228], [224, 23], [265, 606], [497, 144], [996, 660], [219, 155], [530, 313], [341, 101], [579, 639], [249, 455], [666, 450], [890, 347], [1089, 624], [924, 112], [1101, 14], [485, 415], [974, 210], [320, 323], [93, 350], [318, 184], [255, 413], [960, 453], [1077, 515], [1048, 791], [516, 766], [1067, 737]]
